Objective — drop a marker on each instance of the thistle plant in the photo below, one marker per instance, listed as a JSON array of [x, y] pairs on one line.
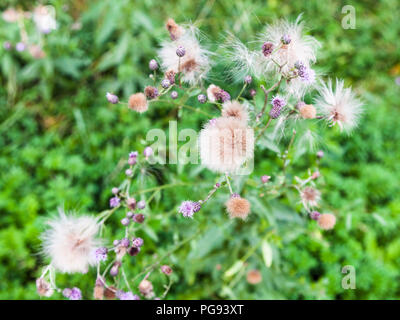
[[295, 101]]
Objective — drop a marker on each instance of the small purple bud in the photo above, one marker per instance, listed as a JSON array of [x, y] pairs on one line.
[[253, 92], [114, 202], [131, 203], [116, 243], [114, 270], [101, 254], [137, 242], [115, 190], [133, 251], [286, 39], [7, 45], [217, 185], [112, 98], [147, 152], [153, 65], [174, 95], [267, 48], [129, 214], [180, 51], [139, 218], [125, 242], [75, 294], [320, 154], [129, 172], [133, 154], [141, 204], [67, 292], [248, 79], [20, 46], [165, 83], [166, 270], [202, 98], [125, 222], [314, 215], [235, 195], [265, 178], [132, 161]]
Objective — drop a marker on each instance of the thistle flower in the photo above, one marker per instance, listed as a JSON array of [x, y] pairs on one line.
[[226, 144], [70, 242], [101, 254], [112, 98], [44, 288], [125, 221], [189, 208], [234, 109], [314, 215], [310, 197], [174, 95], [180, 51], [254, 277], [138, 102], [339, 106], [43, 17], [170, 75], [139, 218], [165, 83], [137, 242], [223, 96], [153, 65], [20, 46], [215, 93], [121, 295], [194, 65], [175, 31], [308, 111], [166, 270], [114, 202], [267, 48], [265, 178], [327, 221], [146, 289], [238, 207], [72, 294], [151, 92], [131, 203], [248, 79], [141, 204]]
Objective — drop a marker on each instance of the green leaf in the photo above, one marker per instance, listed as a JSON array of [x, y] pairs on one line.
[[266, 253]]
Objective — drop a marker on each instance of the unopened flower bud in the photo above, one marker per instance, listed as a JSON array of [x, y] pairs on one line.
[[180, 51], [115, 269], [133, 251], [253, 92], [286, 39], [112, 98], [201, 98], [153, 65], [147, 152], [314, 215], [132, 161], [125, 242], [141, 204], [174, 95], [125, 221], [137, 242], [129, 172], [315, 175], [166, 270], [131, 203], [267, 48], [165, 83], [320, 154], [115, 191], [265, 178], [139, 218], [248, 79]]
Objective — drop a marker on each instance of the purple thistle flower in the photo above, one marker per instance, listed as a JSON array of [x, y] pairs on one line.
[[278, 101], [141, 204], [314, 215], [7, 45], [114, 202], [223, 96], [125, 221], [307, 75], [20, 46], [112, 98], [286, 39], [125, 242], [188, 208], [139, 218], [180, 52], [174, 95], [147, 152], [275, 112], [121, 295], [133, 251], [101, 254], [265, 178], [267, 48], [137, 242], [133, 154], [165, 83], [116, 242], [202, 98], [129, 214], [248, 79], [153, 65], [72, 294]]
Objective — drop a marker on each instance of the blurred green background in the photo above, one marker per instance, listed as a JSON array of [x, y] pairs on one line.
[[61, 143]]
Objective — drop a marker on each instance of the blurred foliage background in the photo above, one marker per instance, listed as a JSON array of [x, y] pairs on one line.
[[61, 143]]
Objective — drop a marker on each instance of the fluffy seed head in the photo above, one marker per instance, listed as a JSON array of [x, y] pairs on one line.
[[166, 270], [175, 31], [138, 102], [308, 111], [238, 207], [44, 288], [339, 106], [70, 242], [254, 277], [151, 92], [226, 144], [235, 109], [327, 221]]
